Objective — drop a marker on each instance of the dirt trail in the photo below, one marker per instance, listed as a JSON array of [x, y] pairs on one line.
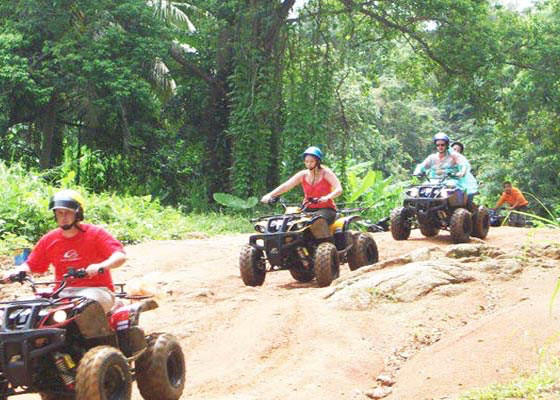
[[284, 341]]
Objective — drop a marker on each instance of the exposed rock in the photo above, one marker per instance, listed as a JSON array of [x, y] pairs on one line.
[[478, 250], [423, 254], [552, 251], [503, 269], [405, 283], [379, 393], [547, 263], [449, 290], [201, 293], [385, 379]]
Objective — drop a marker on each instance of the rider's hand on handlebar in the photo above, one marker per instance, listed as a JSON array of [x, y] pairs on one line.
[[94, 269], [14, 275], [267, 198]]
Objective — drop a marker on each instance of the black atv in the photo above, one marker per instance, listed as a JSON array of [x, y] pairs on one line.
[[306, 245], [513, 218], [436, 205], [69, 348]]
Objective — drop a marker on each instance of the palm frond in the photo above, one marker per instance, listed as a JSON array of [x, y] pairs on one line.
[[170, 12]]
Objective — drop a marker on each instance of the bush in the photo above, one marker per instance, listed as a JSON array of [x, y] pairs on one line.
[[24, 215]]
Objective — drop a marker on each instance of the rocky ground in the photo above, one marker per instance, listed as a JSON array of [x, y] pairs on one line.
[[429, 321]]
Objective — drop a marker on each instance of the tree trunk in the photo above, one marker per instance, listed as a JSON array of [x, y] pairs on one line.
[[51, 146]]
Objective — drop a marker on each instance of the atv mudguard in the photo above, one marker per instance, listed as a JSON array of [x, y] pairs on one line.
[[92, 321], [340, 230], [343, 223], [320, 228]]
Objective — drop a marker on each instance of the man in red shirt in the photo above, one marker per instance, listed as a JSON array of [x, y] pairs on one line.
[[77, 245]]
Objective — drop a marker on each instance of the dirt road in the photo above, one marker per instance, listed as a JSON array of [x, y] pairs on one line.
[[284, 341]]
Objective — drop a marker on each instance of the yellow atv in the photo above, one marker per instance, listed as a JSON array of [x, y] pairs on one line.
[[304, 244]]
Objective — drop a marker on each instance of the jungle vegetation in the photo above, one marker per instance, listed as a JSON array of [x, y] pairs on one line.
[[181, 100]]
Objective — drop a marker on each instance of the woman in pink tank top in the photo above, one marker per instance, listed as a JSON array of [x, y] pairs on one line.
[[318, 183]]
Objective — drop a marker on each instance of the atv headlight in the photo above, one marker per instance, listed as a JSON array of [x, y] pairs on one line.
[[274, 226], [412, 192], [59, 316], [260, 228]]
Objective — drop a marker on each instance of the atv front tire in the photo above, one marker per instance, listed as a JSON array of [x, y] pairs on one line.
[[428, 230], [252, 266], [103, 373], [363, 251], [160, 371], [461, 225], [481, 223], [400, 224], [326, 262], [302, 276]]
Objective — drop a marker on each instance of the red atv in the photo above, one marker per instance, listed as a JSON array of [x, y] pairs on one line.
[[69, 348]]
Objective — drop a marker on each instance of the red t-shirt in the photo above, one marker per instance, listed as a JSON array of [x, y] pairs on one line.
[[91, 246], [319, 189]]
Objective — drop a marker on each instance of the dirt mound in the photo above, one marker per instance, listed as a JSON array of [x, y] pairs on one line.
[[288, 340]]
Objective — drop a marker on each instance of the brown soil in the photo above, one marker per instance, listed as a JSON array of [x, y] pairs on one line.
[[284, 341]]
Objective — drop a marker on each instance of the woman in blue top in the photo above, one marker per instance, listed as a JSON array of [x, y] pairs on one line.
[[445, 161]]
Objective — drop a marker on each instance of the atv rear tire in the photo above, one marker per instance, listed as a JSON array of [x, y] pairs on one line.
[[400, 224], [160, 372], [103, 373], [252, 266], [45, 396], [326, 262], [363, 251], [481, 223], [429, 230], [302, 276], [461, 225]]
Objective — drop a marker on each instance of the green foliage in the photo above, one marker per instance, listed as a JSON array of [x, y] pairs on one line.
[[126, 96], [23, 207], [542, 384], [24, 215], [232, 201], [380, 195]]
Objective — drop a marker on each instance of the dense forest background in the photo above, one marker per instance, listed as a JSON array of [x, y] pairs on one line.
[[187, 98]]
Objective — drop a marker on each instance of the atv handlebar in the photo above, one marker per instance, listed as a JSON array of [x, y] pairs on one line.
[[80, 273], [20, 277], [71, 273]]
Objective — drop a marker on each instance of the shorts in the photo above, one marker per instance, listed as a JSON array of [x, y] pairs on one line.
[[102, 295]]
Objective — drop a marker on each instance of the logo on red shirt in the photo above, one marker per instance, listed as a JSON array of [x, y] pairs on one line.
[[71, 255]]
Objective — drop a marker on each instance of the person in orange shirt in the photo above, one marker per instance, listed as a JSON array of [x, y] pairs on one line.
[[514, 197]]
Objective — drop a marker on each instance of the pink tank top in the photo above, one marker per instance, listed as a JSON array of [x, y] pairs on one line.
[[321, 188]]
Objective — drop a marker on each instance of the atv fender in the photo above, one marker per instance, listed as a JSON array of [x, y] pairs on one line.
[[92, 321], [320, 228], [343, 223], [127, 316]]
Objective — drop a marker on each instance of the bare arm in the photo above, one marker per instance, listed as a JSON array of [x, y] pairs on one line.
[[115, 260], [423, 166], [283, 188]]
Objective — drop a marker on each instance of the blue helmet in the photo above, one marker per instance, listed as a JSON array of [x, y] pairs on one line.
[[441, 136], [313, 151]]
